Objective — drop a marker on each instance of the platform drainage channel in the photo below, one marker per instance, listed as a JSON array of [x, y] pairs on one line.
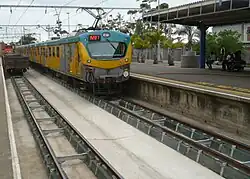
[[199, 136], [211, 159], [65, 152], [217, 144]]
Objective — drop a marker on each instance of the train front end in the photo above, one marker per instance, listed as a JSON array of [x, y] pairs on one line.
[[106, 58]]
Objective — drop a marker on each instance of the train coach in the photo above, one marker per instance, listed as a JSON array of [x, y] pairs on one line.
[[101, 59]]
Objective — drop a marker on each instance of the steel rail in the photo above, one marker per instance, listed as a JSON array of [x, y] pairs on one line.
[[120, 111], [227, 139], [183, 138], [96, 162], [53, 167]]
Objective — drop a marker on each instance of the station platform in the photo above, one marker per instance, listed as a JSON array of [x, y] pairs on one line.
[[216, 79], [5, 149]]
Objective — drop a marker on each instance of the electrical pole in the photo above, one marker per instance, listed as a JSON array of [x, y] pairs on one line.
[[48, 28], [158, 28], [68, 23]]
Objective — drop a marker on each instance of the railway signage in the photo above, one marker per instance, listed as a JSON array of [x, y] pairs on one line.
[[94, 37]]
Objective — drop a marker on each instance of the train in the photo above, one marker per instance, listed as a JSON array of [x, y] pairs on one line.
[[99, 59], [5, 49], [15, 64]]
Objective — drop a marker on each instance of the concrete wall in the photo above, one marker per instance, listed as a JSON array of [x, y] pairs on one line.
[[228, 114], [149, 54]]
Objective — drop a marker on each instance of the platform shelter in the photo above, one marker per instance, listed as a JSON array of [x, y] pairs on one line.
[[203, 14]]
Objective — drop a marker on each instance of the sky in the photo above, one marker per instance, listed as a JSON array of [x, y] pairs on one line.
[[38, 16]]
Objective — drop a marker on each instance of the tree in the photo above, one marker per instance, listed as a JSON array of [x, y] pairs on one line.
[[145, 4], [140, 43], [191, 32], [228, 39], [153, 37], [116, 23], [27, 39]]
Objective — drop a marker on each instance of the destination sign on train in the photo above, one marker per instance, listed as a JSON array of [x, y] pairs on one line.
[[94, 37]]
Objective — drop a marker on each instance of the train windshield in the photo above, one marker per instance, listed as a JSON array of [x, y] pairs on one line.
[[107, 50]]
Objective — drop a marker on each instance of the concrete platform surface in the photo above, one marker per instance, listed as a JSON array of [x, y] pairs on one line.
[[30, 159], [215, 77], [131, 152], [5, 150]]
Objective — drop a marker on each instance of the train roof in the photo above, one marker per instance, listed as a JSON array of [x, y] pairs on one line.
[[75, 38]]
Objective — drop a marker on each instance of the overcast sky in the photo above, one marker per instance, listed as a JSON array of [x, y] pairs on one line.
[[38, 16]]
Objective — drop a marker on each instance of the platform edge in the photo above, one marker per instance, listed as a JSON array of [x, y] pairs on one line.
[[13, 148]]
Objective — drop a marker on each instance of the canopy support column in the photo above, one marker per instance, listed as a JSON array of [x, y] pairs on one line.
[[202, 60]]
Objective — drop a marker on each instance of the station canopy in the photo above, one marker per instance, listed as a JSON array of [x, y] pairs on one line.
[[209, 12]]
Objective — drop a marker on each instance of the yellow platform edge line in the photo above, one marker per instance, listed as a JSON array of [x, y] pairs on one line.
[[202, 85]]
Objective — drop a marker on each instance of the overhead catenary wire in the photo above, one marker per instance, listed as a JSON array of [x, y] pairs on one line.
[[54, 10], [77, 13], [12, 12], [25, 11], [18, 3]]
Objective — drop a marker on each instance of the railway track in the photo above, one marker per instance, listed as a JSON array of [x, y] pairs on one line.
[[220, 154], [223, 144], [50, 128]]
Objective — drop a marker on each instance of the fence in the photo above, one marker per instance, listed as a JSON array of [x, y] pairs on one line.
[[148, 54], [175, 54]]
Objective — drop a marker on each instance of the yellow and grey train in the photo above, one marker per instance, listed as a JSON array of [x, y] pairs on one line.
[[101, 59]]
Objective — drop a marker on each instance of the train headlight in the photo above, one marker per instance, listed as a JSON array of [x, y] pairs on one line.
[[126, 60], [89, 61], [125, 74]]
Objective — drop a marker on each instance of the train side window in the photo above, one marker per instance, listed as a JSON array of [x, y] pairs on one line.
[[54, 51], [49, 51], [57, 51]]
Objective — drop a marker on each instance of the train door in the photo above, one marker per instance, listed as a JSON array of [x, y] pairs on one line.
[[73, 59], [44, 57], [68, 57], [78, 61], [63, 59], [39, 54]]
